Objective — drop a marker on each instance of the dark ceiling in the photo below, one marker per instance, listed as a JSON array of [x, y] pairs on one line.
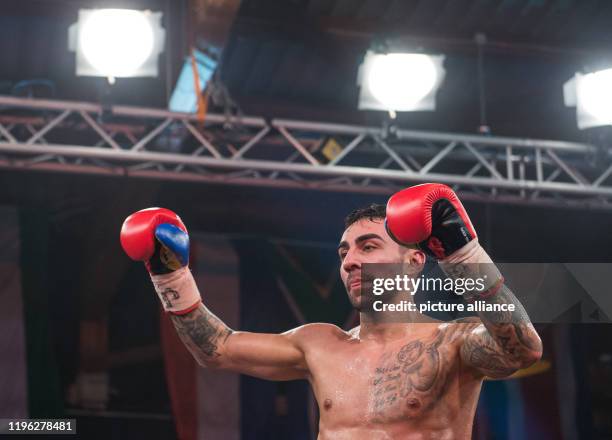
[[299, 58]]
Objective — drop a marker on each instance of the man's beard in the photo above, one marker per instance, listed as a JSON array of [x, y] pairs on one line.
[[361, 303], [363, 299], [355, 301]]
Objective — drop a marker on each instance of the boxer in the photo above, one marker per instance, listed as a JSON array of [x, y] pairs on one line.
[[417, 379]]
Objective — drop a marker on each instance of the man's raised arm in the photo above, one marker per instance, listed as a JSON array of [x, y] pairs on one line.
[[431, 216], [158, 237], [504, 342]]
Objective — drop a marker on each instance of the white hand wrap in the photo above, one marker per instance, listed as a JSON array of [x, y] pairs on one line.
[[472, 261], [177, 291]]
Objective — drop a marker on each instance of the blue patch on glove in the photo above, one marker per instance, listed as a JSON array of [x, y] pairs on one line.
[[175, 239]]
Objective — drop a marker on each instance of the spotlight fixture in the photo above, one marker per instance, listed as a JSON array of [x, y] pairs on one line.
[[115, 43], [399, 81], [591, 94]]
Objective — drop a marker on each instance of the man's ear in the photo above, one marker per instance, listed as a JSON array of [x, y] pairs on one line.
[[415, 257], [414, 260]]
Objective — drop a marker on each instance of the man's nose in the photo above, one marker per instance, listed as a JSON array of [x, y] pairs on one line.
[[350, 262]]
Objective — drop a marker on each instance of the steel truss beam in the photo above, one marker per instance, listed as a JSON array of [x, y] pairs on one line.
[[140, 142]]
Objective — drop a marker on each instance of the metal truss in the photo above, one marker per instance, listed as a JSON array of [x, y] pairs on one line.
[[140, 142]]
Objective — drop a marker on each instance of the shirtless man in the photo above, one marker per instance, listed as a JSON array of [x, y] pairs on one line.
[[419, 379]]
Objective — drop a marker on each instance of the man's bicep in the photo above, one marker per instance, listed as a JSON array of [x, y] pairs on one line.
[[265, 355], [480, 352]]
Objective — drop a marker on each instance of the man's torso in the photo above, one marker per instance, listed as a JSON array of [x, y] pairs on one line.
[[413, 386]]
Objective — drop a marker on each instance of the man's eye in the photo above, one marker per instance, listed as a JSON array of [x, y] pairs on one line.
[[342, 255], [368, 247]]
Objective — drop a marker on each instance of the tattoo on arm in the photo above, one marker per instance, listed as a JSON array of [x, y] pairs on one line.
[[203, 334], [510, 341], [513, 331], [484, 353]]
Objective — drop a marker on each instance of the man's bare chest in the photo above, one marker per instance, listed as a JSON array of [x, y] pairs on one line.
[[404, 380]]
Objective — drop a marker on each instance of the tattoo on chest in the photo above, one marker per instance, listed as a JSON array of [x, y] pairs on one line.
[[408, 380]]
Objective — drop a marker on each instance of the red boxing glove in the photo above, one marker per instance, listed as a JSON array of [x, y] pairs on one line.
[[158, 237], [431, 216], [138, 237]]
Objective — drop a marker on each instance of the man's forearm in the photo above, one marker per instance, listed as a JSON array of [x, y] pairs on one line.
[[512, 330], [203, 334]]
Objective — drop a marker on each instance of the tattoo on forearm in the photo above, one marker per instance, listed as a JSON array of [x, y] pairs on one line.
[[202, 333], [513, 329], [484, 353], [509, 341]]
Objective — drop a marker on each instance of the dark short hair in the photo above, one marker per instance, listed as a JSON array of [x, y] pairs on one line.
[[372, 212]]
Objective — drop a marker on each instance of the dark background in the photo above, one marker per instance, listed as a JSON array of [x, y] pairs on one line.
[[296, 59]]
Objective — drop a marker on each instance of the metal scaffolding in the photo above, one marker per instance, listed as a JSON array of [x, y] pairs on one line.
[[140, 142]]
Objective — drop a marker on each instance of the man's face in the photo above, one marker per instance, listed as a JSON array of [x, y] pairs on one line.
[[367, 241]]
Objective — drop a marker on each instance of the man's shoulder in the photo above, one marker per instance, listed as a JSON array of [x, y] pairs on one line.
[[318, 331]]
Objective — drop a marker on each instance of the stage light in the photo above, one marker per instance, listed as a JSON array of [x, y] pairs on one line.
[[117, 42], [591, 94], [399, 81]]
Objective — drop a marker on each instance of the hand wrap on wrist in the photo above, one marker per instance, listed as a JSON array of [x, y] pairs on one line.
[[472, 262], [177, 291]]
